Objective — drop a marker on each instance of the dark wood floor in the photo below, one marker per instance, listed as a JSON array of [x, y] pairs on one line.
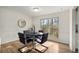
[[53, 47]]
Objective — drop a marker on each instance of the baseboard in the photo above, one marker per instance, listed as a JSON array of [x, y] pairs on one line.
[[58, 42], [9, 42]]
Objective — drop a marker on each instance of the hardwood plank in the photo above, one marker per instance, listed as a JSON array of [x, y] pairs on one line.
[[53, 47]]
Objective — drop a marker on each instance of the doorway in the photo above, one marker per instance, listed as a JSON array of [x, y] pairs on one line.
[[50, 25]]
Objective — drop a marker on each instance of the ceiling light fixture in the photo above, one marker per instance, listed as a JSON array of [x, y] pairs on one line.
[[36, 9]]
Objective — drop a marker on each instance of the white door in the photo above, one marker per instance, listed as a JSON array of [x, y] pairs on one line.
[[78, 28], [75, 30]]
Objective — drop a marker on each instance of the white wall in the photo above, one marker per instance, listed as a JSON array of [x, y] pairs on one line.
[[0, 41], [63, 24], [8, 24], [73, 39], [70, 42]]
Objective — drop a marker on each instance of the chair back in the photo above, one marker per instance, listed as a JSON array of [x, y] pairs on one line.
[[42, 38], [21, 38]]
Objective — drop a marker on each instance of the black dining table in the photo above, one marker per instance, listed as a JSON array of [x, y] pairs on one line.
[[33, 36]]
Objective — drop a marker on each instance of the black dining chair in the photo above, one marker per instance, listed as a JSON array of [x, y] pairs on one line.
[[42, 39], [24, 38]]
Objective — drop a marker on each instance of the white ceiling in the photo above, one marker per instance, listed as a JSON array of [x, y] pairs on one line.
[[42, 9]]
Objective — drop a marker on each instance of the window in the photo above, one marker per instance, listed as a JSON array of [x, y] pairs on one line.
[[44, 24], [50, 25], [55, 20]]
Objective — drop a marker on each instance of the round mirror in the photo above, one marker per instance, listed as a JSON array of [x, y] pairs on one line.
[[21, 23]]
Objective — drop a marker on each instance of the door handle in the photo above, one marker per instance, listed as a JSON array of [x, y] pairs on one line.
[[76, 28]]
